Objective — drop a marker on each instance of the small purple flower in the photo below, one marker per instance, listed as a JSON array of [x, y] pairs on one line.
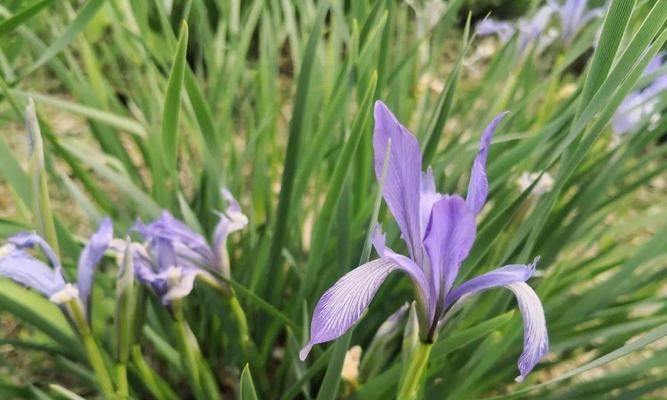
[[175, 255], [574, 16], [528, 30], [21, 267], [439, 230], [641, 105]]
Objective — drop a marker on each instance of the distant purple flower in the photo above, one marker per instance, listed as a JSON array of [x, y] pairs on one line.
[[528, 29], [574, 16], [439, 230], [641, 105], [175, 255], [21, 267]]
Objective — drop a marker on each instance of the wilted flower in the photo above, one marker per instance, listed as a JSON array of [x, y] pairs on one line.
[[574, 16], [641, 106], [175, 255], [545, 184], [21, 267], [439, 230]]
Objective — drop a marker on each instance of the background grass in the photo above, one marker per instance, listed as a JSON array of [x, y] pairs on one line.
[[272, 99]]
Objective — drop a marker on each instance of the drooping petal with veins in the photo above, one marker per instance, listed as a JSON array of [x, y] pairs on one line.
[[344, 303]]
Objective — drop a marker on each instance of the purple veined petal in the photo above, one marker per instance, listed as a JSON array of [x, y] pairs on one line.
[[513, 277], [343, 304], [498, 277], [30, 240], [490, 26], [26, 270], [91, 256], [403, 177], [535, 336], [478, 187], [449, 238]]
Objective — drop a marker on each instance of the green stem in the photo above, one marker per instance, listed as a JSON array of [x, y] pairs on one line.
[[201, 376], [121, 374], [247, 344], [92, 350], [412, 378]]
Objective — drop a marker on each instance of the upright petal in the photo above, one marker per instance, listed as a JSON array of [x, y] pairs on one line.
[[478, 187], [402, 182], [26, 270], [513, 277], [91, 256], [428, 196], [450, 235], [342, 305]]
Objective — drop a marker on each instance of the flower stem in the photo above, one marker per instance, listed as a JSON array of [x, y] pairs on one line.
[[201, 376], [412, 378], [92, 350], [121, 374]]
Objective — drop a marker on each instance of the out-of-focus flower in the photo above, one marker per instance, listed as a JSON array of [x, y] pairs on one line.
[[439, 230], [642, 106], [21, 267], [175, 255], [350, 371], [527, 29], [573, 16], [545, 184]]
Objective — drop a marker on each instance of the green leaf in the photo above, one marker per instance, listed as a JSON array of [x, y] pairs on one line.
[[169, 129], [41, 212], [79, 23], [10, 24], [296, 132], [247, 388]]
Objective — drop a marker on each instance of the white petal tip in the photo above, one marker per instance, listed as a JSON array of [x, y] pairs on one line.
[[519, 379], [304, 352]]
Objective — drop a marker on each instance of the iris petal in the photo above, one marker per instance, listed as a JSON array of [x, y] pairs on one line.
[[91, 256], [478, 187], [26, 270], [449, 237], [513, 277], [403, 177], [344, 303]]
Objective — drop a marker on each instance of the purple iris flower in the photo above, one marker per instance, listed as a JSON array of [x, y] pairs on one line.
[[528, 30], [574, 16], [438, 230], [20, 266], [641, 105], [175, 255]]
